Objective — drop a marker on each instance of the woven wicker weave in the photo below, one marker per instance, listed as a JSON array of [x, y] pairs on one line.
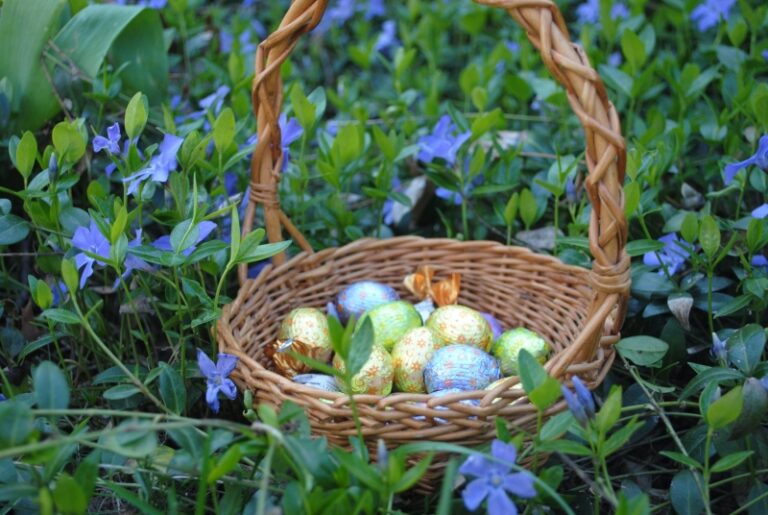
[[579, 311]]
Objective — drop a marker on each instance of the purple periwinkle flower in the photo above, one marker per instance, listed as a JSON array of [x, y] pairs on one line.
[[161, 164], [719, 350], [760, 261], [218, 377], [709, 13], [290, 131], [111, 143], [153, 4], [760, 212], [759, 159], [764, 382], [496, 327], [765, 54], [91, 240], [374, 8], [444, 142], [589, 12], [331, 310], [581, 403], [132, 262], [615, 59], [3, 397], [387, 37], [495, 479], [389, 204], [203, 230], [672, 256]]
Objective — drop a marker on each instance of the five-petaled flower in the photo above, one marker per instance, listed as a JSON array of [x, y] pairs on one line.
[[672, 256], [494, 478], [161, 164], [582, 405], [90, 239], [760, 212], [709, 12], [218, 377], [759, 159], [111, 143], [444, 142]]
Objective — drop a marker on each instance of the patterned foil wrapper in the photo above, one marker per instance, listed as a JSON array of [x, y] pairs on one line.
[[462, 367], [460, 324], [304, 331], [507, 349], [375, 378], [409, 357], [319, 381], [391, 321], [425, 309], [287, 364], [361, 297], [494, 324]]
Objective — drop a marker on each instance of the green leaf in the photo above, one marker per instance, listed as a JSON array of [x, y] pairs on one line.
[[12, 229], [633, 49], [360, 348], [118, 227], [682, 458], [610, 411], [134, 439], [556, 426], [546, 394], [136, 115], [532, 374], [68, 495], [224, 130], [70, 275], [16, 423], [486, 122], [731, 461], [226, 464], [61, 316], [120, 391], [631, 198], [642, 350], [303, 108], [745, 347], [565, 446], [184, 235], [26, 153], [617, 440], [510, 210], [726, 409], [132, 35], [709, 236], [413, 475], [640, 247], [172, 389], [68, 141], [26, 26], [250, 253], [685, 494], [528, 207], [50, 386], [690, 227], [715, 374]]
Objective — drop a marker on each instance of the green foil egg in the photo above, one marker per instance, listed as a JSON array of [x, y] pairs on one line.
[[391, 321], [410, 355], [375, 378], [507, 349], [460, 324], [309, 326]]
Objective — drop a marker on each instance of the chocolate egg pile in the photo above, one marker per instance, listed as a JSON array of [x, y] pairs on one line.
[[417, 347]]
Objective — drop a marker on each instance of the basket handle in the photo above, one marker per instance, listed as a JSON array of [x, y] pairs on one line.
[[545, 27]]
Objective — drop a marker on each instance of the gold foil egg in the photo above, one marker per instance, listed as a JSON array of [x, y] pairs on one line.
[[375, 378], [460, 324], [305, 331], [391, 321], [410, 355]]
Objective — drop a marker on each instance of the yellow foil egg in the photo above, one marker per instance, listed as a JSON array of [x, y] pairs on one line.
[[310, 327], [409, 357], [459, 324], [375, 378], [507, 349]]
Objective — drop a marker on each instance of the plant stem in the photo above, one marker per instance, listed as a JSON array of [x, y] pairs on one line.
[[706, 471], [261, 503]]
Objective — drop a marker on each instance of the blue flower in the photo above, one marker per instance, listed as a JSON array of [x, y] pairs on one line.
[[760, 261], [764, 382], [91, 240], [615, 59], [719, 350], [374, 8], [765, 54], [3, 397], [760, 212], [59, 290], [389, 204], [154, 4], [331, 310], [759, 159], [226, 40], [290, 131], [203, 230], [444, 142], [589, 12], [111, 143], [494, 479], [709, 13], [132, 262], [496, 327], [581, 404], [672, 256], [218, 377], [388, 37], [159, 166]]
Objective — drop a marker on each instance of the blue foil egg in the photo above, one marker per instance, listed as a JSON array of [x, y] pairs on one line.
[[319, 381], [462, 367], [357, 298]]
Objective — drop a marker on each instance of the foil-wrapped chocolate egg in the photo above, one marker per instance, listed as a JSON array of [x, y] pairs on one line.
[[361, 297], [391, 321], [375, 378], [507, 348], [319, 381], [409, 357], [460, 366], [460, 324], [305, 331]]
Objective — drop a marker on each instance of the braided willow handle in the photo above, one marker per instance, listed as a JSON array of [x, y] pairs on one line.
[[566, 61]]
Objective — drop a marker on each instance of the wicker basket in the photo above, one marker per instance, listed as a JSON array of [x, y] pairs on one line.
[[579, 311]]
